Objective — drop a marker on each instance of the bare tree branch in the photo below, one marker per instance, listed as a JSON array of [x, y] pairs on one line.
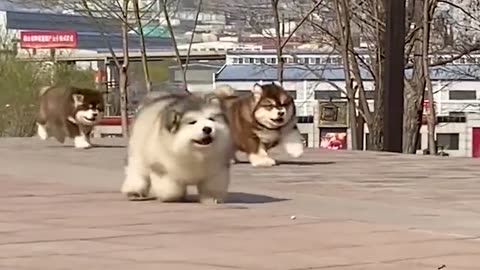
[[143, 49], [197, 15], [304, 19], [174, 41]]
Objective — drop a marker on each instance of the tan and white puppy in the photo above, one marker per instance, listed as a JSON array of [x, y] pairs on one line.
[[262, 120], [69, 112], [179, 140]]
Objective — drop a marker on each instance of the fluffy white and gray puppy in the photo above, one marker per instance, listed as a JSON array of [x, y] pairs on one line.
[[179, 140]]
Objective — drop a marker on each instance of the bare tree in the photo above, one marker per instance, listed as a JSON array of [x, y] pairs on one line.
[[124, 71], [367, 22], [167, 15], [121, 66], [432, 119], [278, 42], [165, 11], [187, 61], [143, 49]]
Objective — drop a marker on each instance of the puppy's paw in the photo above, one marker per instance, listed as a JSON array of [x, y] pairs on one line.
[[234, 160], [42, 132], [138, 196], [210, 200], [294, 149], [81, 142], [135, 190], [261, 161]]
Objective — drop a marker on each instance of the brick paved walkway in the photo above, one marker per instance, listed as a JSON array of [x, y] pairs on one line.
[[60, 209]]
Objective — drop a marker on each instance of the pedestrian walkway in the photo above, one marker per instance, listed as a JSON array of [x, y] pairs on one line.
[[61, 209]]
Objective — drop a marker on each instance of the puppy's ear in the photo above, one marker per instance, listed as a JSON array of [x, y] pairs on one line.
[[171, 121], [257, 91], [78, 99], [212, 98]]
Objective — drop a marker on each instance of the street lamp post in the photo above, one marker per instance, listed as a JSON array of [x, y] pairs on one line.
[[394, 69]]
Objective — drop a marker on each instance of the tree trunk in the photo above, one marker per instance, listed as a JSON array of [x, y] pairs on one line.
[[414, 88], [124, 72], [350, 67], [432, 146], [360, 125], [352, 116], [278, 43], [124, 100], [377, 125]]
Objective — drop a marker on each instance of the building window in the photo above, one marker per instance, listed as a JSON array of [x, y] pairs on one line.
[[292, 93], [301, 60], [271, 60], [462, 95], [305, 139], [326, 95], [305, 119], [370, 94], [335, 60], [448, 141]]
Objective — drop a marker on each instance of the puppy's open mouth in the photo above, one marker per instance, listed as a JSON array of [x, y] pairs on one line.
[[278, 120], [91, 119], [204, 141]]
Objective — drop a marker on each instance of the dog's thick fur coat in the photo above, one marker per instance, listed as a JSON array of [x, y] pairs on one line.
[[262, 120], [69, 112], [179, 140]]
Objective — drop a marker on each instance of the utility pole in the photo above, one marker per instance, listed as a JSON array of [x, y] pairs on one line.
[[394, 70]]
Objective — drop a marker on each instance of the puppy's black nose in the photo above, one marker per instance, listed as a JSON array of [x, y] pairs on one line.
[[207, 130], [281, 113], [94, 114]]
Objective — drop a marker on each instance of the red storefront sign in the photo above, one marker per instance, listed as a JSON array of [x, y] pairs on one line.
[[48, 39]]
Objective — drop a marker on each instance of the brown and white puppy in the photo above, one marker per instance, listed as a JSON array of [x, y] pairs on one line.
[[69, 112], [262, 120]]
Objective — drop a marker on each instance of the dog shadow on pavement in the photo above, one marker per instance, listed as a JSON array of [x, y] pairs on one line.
[[250, 198], [294, 162], [94, 146], [233, 198]]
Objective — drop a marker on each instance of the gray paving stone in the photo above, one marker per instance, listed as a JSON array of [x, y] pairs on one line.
[[61, 209]]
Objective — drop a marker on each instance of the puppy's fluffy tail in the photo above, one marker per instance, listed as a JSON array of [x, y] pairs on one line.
[[224, 91], [43, 90]]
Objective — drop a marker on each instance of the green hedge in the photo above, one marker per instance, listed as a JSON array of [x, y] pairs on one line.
[[20, 83]]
